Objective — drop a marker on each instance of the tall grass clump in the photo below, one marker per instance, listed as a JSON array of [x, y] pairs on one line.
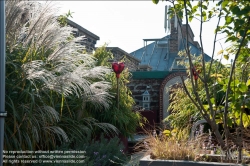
[[47, 76], [168, 145]]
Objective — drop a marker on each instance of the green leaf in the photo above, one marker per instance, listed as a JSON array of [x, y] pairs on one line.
[[219, 3], [204, 14], [248, 82], [228, 19], [226, 57], [218, 121], [224, 4], [190, 18], [210, 14], [155, 1], [245, 120], [242, 32], [244, 11], [194, 9], [237, 114], [236, 10], [230, 122], [234, 83], [212, 100], [231, 39], [224, 88], [242, 87], [206, 106], [204, 7]]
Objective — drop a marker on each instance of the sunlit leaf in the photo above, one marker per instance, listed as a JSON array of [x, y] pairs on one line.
[[212, 100], [224, 4], [216, 75], [220, 52], [228, 19], [242, 87], [246, 120], [248, 82], [167, 132]]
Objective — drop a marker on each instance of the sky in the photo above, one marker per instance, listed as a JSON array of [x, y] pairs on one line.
[[125, 24]]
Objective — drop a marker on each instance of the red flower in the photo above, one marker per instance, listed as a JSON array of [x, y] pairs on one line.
[[118, 68], [195, 73]]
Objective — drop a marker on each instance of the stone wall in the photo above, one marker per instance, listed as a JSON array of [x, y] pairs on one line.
[[158, 90]]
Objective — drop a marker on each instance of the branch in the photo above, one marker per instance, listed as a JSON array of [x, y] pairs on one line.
[[215, 37], [201, 107], [204, 114]]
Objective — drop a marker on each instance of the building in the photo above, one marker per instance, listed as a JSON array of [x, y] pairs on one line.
[[131, 62], [90, 38], [159, 71], [155, 69]]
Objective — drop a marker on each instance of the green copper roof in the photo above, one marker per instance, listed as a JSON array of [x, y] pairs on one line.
[[150, 74]]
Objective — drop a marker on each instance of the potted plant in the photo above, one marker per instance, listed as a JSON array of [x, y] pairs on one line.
[[175, 148]]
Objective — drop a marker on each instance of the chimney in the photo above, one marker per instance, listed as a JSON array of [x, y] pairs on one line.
[[174, 38]]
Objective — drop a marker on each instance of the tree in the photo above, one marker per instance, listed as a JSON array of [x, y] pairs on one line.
[[236, 27]]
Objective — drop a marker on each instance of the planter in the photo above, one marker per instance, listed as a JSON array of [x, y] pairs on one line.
[[147, 161]]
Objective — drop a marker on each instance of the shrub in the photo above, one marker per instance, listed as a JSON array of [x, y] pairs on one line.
[[105, 152], [102, 152]]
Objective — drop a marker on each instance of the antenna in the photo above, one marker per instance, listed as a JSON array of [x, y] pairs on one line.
[[175, 21], [167, 24]]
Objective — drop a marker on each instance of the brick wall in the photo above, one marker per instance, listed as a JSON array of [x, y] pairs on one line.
[[173, 45]]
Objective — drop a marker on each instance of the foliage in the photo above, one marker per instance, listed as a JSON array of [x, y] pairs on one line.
[[101, 152], [231, 109], [123, 118], [62, 19], [44, 70], [168, 146], [106, 152], [183, 111]]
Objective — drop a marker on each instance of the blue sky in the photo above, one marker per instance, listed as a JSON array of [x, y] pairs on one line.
[[125, 24]]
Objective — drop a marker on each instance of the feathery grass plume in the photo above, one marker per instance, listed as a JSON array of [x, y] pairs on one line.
[[52, 58], [45, 65]]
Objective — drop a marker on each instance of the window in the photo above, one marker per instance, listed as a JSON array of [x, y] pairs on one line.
[[145, 98]]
